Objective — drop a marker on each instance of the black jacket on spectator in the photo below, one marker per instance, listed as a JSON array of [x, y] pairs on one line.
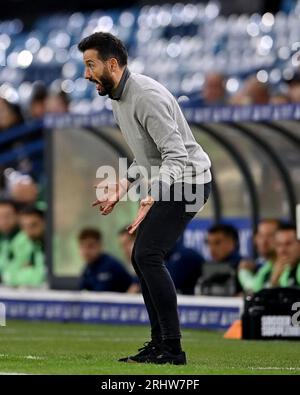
[[105, 274], [185, 268]]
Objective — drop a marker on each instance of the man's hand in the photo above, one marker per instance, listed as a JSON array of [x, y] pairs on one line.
[[110, 194], [247, 264], [145, 206], [279, 266]]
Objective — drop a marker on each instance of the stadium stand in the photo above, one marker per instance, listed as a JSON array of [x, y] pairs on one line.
[[175, 44]]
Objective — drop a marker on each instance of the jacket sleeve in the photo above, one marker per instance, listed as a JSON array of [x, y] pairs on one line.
[[156, 115]]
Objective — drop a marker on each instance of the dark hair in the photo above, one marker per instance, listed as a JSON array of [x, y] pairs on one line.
[[226, 229], [32, 210], [90, 233], [15, 109], [9, 202], [287, 226], [39, 92], [107, 45], [64, 97], [273, 221]]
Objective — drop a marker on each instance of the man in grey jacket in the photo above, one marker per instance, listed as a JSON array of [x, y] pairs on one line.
[[164, 147]]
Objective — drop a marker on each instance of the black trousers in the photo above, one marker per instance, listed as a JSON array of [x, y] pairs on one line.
[[156, 235]]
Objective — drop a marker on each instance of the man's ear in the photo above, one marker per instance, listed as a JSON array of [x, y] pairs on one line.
[[114, 65]]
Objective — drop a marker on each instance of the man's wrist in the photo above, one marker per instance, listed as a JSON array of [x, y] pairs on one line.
[[148, 200]]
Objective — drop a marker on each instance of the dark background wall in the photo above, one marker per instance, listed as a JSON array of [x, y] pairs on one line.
[[29, 9]]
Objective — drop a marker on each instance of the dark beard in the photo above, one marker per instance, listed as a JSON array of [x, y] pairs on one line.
[[107, 84]]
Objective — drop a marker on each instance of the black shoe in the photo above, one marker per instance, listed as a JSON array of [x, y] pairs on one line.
[[163, 354], [144, 353]]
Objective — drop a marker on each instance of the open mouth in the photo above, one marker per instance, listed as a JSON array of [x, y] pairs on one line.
[[99, 86]]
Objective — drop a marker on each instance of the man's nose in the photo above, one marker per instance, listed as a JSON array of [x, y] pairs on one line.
[[87, 74]]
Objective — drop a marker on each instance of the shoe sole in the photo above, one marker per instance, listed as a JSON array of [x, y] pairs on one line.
[[167, 362], [129, 360], [171, 362]]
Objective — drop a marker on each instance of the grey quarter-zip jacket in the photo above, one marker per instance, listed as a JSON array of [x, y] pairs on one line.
[[158, 134]]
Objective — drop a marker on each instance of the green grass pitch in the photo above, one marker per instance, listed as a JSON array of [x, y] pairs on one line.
[[64, 348]]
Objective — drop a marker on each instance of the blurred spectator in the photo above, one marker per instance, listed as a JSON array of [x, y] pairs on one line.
[[294, 88], [37, 104], [264, 241], [25, 191], [21, 188], [284, 271], [126, 242], [214, 92], [239, 99], [252, 92], [184, 265], [10, 114], [58, 102], [102, 271], [258, 92], [9, 232], [279, 98], [287, 268], [223, 244], [8, 217], [27, 266]]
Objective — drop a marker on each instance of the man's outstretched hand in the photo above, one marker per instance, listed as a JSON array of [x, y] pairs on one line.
[[145, 206], [109, 194]]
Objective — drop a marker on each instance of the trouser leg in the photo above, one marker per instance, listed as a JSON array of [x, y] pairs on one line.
[[157, 234], [152, 313]]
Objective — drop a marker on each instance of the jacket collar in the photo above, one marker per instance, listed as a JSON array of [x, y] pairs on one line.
[[117, 92]]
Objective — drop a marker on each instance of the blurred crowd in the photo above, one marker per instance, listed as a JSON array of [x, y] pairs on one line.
[[254, 90], [22, 178], [275, 261], [41, 101], [215, 92]]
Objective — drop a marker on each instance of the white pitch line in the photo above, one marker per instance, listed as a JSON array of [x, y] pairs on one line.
[[34, 357], [273, 368], [12, 374]]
